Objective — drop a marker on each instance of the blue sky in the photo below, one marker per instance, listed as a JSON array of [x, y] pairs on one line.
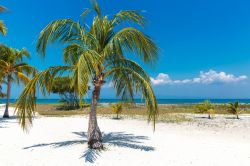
[[205, 45]]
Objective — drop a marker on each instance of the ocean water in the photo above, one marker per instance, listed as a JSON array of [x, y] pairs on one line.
[[160, 101]]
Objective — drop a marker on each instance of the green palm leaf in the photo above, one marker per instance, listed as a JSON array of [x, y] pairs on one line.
[[129, 16], [65, 30], [26, 103], [3, 28]]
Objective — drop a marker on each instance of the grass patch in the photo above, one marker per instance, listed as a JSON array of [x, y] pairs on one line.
[[173, 118], [166, 115]]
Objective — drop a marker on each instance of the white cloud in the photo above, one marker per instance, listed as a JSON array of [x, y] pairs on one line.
[[208, 77], [218, 77], [161, 79]]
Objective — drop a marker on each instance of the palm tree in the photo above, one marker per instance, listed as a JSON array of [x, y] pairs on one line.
[[233, 108], [93, 55], [13, 69], [117, 109], [3, 28], [206, 107]]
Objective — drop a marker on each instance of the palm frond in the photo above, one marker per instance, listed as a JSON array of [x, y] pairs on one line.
[[21, 77], [122, 62], [85, 13], [131, 40], [22, 53], [64, 30], [26, 103], [127, 81], [129, 16], [25, 68], [88, 65], [96, 7], [3, 9], [102, 31], [72, 53], [3, 64], [3, 28]]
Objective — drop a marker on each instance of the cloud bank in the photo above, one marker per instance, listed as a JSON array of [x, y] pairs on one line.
[[209, 77]]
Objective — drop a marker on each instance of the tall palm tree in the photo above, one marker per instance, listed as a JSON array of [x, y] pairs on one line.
[[13, 69], [3, 28], [93, 55]]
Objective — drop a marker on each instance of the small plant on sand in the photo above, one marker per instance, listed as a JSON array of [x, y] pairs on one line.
[[117, 109], [233, 108], [206, 107]]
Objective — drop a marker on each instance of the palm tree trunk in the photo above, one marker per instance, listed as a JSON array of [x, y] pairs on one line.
[[237, 116], [94, 133], [209, 116], [6, 112]]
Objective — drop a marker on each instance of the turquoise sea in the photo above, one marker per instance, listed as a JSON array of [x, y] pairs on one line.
[[160, 101]]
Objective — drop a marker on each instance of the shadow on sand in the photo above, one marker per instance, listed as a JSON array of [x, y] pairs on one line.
[[119, 139], [232, 118], [5, 121]]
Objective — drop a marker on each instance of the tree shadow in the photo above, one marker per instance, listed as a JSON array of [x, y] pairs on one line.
[[91, 155], [2, 123], [118, 139], [232, 118], [5, 121], [115, 118], [57, 144], [202, 117]]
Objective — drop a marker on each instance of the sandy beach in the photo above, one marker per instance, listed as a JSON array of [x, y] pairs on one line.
[[61, 141]]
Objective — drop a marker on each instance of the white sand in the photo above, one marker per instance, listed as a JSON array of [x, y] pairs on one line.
[[62, 142]]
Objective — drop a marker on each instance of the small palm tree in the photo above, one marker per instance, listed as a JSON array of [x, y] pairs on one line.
[[117, 109], [3, 28], [206, 107], [13, 69], [93, 55], [233, 108]]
